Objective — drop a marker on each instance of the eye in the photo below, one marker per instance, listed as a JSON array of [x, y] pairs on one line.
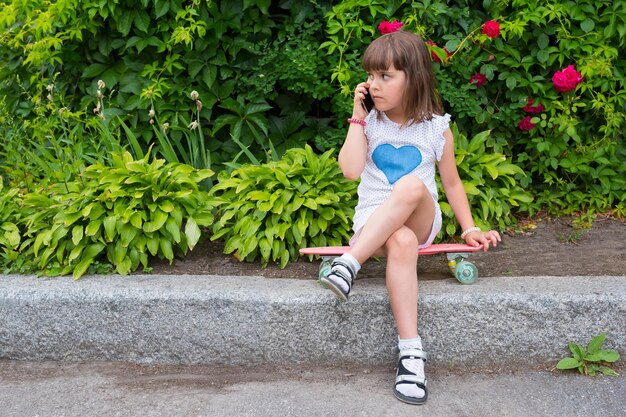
[[386, 76], [370, 77]]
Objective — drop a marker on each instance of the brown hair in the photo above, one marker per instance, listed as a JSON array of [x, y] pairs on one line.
[[407, 52]]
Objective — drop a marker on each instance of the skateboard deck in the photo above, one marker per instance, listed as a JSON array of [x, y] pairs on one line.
[[430, 250], [457, 253]]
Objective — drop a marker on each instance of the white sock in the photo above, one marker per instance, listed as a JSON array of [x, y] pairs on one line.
[[354, 264], [414, 365]]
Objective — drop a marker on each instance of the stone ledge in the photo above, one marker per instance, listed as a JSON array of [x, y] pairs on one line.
[[504, 321]]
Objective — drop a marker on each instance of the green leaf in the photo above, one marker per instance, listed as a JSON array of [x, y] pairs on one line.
[[123, 23], [193, 233], [94, 250], [124, 267], [471, 189], [608, 371], [120, 253], [82, 267], [142, 20], [127, 234], [173, 228], [77, 234], [93, 227], [577, 351], [587, 25], [596, 343], [161, 7], [109, 228], [608, 356], [42, 238], [166, 249], [152, 243], [567, 363]]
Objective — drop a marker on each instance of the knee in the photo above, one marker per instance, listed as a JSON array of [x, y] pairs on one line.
[[402, 243], [410, 188]]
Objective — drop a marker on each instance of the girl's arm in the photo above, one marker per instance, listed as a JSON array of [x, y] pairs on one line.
[[455, 193], [353, 153]]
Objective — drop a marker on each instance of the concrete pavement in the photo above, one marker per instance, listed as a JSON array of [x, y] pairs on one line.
[[57, 389]]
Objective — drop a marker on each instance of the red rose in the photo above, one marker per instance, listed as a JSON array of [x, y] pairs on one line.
[[567, 79], [491, 28], [434, 55], [529, 108], [478, 79], [389, 27], [526, 124]]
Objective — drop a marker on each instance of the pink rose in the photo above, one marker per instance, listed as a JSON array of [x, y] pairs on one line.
[[478, 79], [389, 27], [566, 79], [529, 108], [491, 28], [526, 124], [434, 55]]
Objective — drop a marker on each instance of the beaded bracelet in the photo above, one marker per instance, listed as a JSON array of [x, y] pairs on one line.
[[470, 230], [357, 121]]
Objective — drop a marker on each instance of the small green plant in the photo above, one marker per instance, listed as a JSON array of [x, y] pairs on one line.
[[575, 236], [274, 209], [590, 361]]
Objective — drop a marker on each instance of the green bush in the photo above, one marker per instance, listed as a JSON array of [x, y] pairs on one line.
[[272, 210], [240, 56], [121, 214], [490, 183]]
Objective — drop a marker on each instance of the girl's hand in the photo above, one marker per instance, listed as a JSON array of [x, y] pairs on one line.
[[491, 237], [358, 111]]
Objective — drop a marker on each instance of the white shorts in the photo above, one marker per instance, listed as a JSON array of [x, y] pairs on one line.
[[437, 222]]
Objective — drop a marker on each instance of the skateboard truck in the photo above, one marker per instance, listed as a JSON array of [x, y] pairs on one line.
[[463, 270]]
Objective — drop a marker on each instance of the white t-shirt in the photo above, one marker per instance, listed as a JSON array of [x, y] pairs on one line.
[[393, 152]]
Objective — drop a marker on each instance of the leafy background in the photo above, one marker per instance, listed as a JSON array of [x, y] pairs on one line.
[[270, 76]]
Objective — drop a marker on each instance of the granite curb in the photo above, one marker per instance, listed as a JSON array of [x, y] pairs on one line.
[[158, 319]]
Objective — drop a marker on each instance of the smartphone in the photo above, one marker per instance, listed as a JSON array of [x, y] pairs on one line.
[[368, 102]]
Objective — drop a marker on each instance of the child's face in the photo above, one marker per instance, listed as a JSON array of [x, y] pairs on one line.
[[387, 90]]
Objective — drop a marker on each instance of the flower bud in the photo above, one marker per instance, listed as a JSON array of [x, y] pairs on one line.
[[151, 113], [101, 84], [193, 125], [194, 95], [199, 105]]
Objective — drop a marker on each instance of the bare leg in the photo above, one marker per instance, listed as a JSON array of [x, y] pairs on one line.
[[411, 207], [410, 203], [402, 280]]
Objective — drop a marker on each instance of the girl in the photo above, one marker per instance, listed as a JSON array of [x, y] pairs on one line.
[[394, 149]]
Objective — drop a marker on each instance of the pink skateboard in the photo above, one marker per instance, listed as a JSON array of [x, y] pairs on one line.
[[463, 270]]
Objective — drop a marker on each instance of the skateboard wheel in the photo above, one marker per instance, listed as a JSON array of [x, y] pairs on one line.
[[325, 267], [466, 272]]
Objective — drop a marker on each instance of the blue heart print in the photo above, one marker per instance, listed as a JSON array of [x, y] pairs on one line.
[[396, 162]]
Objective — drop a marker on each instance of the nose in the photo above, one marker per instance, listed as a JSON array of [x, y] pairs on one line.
[[374, 83]]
